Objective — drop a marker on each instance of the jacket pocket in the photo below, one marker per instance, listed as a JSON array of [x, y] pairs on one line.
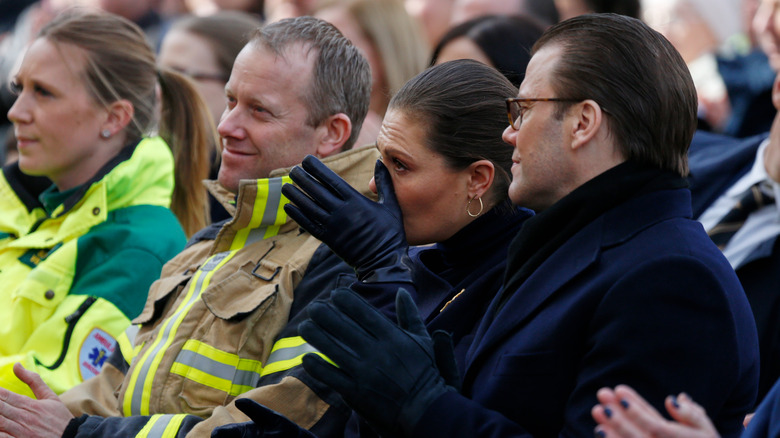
[[159, 293], [226, 358], [238, 295]]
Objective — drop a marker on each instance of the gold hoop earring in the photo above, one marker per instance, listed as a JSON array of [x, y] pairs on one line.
[[481, 207]]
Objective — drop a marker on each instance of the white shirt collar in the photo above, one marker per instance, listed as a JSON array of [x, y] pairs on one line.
[[757, 174]]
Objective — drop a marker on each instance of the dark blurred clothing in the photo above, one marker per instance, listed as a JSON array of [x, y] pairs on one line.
[[748, 81], [717, 163]]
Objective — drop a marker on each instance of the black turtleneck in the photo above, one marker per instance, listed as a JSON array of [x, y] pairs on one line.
[[465, 258]]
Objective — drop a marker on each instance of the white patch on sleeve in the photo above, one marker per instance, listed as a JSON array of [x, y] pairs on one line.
[[94, 352]]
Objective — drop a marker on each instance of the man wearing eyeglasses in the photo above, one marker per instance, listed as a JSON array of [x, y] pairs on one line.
[[611, 282]]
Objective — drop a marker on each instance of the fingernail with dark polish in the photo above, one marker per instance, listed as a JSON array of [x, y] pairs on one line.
[[601, 434], [624, 403], [675, 403], [608, 412]]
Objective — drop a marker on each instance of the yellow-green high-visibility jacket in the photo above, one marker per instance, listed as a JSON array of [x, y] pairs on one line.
[[207, 331], [75, 267]]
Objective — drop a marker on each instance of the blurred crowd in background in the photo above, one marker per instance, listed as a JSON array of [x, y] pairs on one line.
[[717, 38]]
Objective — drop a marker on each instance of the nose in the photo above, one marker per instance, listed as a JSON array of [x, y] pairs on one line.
[[18, 113], [372, 185], [230, 124], [509, 135]]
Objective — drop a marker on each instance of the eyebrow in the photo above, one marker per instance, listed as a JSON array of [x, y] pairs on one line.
[[19, 77], [393, 150]]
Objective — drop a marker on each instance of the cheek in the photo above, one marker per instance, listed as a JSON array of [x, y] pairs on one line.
[[775, 24], [413, 203], [432, 207]]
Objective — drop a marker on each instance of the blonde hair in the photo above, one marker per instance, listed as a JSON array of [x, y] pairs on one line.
[[396, 36], [120, 64]]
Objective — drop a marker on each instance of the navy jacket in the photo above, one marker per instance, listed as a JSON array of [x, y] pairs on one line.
[[716, 163], [638, 296], [454, 282], [471, 261], [766, 422]]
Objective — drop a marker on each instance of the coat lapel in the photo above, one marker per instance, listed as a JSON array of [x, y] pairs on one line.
[[572, 258], [564, 264]]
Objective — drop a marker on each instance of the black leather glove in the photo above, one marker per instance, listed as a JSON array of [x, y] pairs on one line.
[[265, 423], [368, 235], [387, 373]]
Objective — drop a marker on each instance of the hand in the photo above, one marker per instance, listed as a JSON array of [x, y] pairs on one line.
[[21, 416], [368, 235], [387, 373], [624, 413], [265, 423]]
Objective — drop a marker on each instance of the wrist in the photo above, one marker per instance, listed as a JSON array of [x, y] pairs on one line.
[[71, 430], [395, 267]]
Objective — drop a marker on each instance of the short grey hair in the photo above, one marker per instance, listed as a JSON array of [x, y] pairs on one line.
[[342, 77]]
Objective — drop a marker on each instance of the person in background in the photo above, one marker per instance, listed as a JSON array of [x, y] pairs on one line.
[[279, 9], [572, 8], [728, 177], [391, 42], [85, 226], [543, 11], [203, 49], [253, 7], [502, 42], [433, 16], [141, 12], [733, 81]]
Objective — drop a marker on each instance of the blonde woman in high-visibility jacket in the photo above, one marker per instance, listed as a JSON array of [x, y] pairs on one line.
[[85, 214]]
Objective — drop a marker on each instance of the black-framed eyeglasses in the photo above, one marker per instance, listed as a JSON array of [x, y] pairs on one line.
[[515, 110]]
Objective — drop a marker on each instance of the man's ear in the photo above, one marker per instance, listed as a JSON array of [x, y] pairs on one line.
[[119, 115], [334, 132], [586, 123], [481, 174]]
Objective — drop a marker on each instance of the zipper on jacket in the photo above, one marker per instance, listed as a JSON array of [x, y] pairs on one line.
[[71, 320]]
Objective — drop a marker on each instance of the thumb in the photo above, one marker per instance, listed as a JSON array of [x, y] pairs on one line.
[[36, 384], [257, 412], [408, 315]]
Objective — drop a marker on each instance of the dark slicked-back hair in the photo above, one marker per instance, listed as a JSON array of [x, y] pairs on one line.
[[341, 80], [636, 76], [461, 103]]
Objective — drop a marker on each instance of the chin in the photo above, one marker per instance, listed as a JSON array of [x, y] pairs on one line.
[[515, 195], [228, 182], [28, 167]]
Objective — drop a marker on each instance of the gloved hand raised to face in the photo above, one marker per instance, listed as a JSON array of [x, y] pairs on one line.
[[386, 372], [368, 235], [265, 423]]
